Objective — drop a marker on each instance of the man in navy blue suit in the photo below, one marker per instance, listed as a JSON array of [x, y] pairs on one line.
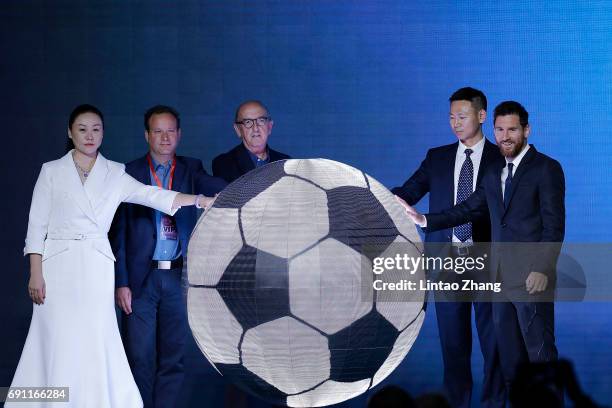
[[150, 248], [450, 173], [525, 201], [253, 126]]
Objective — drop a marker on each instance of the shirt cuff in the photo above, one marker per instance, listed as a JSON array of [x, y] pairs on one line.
[[424, 224]]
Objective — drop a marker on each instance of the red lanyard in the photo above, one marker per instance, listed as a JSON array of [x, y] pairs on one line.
[[159, 184]]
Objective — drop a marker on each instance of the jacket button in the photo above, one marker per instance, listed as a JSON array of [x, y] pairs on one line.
[[503, 225]]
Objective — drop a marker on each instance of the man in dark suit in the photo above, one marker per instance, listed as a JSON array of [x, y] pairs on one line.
[[253, 125], [150, 247], [449, 174], [525, 201]]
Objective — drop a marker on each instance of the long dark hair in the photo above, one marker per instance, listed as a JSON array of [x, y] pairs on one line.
[[85, 108]]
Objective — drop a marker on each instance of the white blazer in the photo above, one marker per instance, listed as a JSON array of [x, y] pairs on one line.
[[65, 209]]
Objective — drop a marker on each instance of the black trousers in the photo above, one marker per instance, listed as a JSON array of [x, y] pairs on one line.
[[454, 314], [154, 338], [525, 333]]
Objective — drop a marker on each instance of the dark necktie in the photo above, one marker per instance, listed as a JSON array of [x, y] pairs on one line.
[[465, 187], [508, 186]]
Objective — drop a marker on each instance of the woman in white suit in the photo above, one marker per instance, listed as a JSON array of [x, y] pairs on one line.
[[73, 339]]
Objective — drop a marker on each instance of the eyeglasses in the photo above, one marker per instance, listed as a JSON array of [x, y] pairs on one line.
[[248, 123]]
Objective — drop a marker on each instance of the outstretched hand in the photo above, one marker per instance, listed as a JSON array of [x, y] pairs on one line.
[[414, 215], [206, 202]]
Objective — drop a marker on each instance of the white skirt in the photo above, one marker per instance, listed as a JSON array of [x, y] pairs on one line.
[[74, 339]]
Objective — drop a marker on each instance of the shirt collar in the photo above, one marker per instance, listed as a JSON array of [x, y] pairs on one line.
[[165, 166], [256, 159], [517, 160], [477, 148]]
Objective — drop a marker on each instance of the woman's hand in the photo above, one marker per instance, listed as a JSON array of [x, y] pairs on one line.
[[183, 200], [206, 202], [36, 285]]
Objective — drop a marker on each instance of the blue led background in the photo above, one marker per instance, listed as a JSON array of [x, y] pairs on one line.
[[361, 82]]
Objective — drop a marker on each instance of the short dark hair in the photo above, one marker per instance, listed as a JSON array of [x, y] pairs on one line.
[[85, 108], [158, 110], [511, 108], [475, 96], [251, 101]]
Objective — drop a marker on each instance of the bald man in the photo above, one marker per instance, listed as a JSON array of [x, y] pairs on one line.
[[253, 125]]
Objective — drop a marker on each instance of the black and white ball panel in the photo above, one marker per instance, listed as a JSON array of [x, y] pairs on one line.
[[315, 278], [293, 362], [400, 307], [252, 383], [255, 287], [327, 174], [404, 225], [209, 254], [250, 185], [358, 219], [358, 350], [401, 347], [290, 211], [218, 338], [330, 392]]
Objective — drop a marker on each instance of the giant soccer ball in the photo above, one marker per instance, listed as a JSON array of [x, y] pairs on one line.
[[275, 271]]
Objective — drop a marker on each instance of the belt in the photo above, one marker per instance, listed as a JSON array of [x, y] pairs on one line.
[[74, 236], [462, 250], [174, 264]]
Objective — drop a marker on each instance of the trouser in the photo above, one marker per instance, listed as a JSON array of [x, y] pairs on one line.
[[154, 336], [454, 314], [455, 328], [525, 333]]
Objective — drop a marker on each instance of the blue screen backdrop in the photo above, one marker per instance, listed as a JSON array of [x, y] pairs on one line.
[[362, 82]]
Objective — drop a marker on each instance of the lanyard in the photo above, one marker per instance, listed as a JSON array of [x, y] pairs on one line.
[[159, 184]]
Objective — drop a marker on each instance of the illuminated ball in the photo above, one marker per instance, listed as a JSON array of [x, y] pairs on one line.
[[279, 274]]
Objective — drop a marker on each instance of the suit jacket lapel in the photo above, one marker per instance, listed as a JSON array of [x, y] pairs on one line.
[[245, 164], [274, 155], [499, 197], [488, 160], [487, 155], [142, 173], [96, 182], [448, 173], [522, 168], [179, 175], [76, 188]]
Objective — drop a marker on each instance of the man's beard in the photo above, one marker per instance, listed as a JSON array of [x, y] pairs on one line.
[[516, 149]]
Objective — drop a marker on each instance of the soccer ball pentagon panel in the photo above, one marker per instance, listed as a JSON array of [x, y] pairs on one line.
[[276, 283]]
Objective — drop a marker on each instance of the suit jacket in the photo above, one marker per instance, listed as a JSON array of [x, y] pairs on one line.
[[133, 233], [233, 164], [64, 209], [436, 177], [535, 213]]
